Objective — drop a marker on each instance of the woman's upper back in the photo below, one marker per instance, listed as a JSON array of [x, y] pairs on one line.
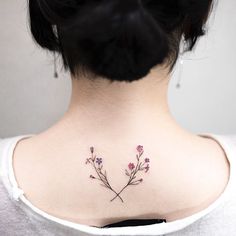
[[171, 189]]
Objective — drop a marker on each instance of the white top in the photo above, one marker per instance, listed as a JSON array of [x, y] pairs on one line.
[[18, 216]]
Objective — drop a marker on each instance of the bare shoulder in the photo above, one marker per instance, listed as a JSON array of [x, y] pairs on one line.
[[176, 190], [206, 179]]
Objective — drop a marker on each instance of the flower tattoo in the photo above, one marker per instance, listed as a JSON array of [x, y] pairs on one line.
[[131, 166], [99, 160], [131, 172]]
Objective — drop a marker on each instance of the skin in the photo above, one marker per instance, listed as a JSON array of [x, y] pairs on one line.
[[187, 173]]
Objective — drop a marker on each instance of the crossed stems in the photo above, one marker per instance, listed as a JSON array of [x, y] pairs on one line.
[[103, 176]]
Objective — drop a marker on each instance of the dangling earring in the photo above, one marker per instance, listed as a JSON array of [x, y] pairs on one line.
[[54, 28], [181, 64], [55, 65]]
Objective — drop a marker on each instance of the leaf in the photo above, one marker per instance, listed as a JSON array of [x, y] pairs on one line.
[[103, 185], [137, 157], [127, 173]]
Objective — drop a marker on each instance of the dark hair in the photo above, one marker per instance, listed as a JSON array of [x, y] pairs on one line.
[[117, 39]]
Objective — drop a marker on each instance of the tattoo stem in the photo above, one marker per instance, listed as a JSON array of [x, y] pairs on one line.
[[106, 183]]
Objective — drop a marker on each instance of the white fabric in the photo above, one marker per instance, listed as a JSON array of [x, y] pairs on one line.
[[218, 219]]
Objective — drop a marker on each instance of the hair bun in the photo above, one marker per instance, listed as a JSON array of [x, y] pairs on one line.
[[128, 5], [116, 39]]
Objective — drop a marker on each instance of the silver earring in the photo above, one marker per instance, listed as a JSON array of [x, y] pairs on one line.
[[54, 28], [55, 65], [181, 63]]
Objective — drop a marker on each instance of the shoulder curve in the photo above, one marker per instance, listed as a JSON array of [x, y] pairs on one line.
[[5, 142]]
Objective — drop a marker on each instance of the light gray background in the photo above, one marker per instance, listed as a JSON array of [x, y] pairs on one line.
[[31, 100]]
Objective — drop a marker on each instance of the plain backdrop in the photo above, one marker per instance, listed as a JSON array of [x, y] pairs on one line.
[[31, 99]]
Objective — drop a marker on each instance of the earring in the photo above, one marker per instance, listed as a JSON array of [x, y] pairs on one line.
[[181, 63], [55, 65], [54, 28]]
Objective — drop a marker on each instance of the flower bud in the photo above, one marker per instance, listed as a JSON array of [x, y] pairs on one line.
[[91, 149]]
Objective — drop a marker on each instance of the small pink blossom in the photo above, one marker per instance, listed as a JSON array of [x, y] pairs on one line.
[[131, 166], [139, 148]]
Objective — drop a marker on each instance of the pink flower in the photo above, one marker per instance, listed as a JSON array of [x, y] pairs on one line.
[[131, 166], [139, 148], [147, 160]]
